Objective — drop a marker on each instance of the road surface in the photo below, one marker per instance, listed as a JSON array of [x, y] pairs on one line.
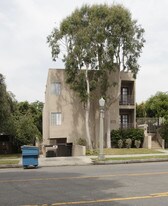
[[143, 184]]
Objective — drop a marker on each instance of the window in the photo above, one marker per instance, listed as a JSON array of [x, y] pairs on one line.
[[124, 93], [124, 120], [56, 118], [56, 88]]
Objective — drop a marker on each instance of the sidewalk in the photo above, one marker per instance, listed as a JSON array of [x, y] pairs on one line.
[[65, 161], [90, 160]]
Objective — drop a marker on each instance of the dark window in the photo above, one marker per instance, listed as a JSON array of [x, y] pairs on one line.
[[124, 120], [124, 95]]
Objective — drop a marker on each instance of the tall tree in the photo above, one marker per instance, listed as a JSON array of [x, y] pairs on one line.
[[140, 110], [22, 120], [98, 39], [28, 122], [26, 130], [6, 107], [157, 105]]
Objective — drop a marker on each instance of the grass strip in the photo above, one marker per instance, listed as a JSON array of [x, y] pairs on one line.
[[124, 151], [137, 158], [8, 162], [10, 156]]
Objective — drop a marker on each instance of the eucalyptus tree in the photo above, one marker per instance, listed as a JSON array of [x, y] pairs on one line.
[[98, 39], [124, 45]]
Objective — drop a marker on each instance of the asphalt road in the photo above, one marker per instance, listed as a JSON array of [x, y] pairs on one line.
[[120, 185]]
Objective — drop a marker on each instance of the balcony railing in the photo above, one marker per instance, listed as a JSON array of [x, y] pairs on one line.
[[126, 100], [126, 125], [153, 123]]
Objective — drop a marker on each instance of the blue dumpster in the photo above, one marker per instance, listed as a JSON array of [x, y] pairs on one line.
[[30, 156]]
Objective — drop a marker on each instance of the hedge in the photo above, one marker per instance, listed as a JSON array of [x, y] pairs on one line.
[[123, 134]]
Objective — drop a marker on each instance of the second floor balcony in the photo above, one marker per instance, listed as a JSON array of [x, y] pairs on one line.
[[127, 100], [126, 125]]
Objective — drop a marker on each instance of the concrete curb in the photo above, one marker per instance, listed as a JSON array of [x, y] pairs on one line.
[[94, 162], [129, 161], [10, 166]]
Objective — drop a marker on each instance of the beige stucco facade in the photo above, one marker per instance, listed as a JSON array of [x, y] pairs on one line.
[[71, 112]]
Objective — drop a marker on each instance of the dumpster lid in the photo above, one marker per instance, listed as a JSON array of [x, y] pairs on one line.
[[29, 146]]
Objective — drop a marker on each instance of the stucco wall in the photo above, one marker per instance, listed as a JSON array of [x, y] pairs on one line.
[[73, 112]]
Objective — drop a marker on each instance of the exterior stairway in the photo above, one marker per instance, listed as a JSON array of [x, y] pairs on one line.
[[155, 143]]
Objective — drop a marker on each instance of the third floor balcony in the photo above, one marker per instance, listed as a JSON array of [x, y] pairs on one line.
[[127, 100]]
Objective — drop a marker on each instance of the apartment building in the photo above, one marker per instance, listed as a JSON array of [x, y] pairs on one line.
[[64, 114]]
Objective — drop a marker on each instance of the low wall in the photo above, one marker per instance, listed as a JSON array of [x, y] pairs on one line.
[[78, 150], [147, 142], [160, 140]]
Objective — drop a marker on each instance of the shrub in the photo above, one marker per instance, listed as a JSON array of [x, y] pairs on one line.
[[92, 152], [123, 134], [137, 143], [115, 136], [120, 143], [128, 143], [163, 131], [81, 141]]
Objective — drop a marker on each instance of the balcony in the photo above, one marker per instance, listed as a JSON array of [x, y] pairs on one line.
[[126, 100], [126, 125]]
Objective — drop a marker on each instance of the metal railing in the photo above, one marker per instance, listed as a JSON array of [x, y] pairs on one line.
[[126, 125], [153, 123], [127, 100]]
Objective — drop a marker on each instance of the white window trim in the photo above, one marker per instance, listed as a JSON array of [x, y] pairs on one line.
[[56, 119], [55, 88]]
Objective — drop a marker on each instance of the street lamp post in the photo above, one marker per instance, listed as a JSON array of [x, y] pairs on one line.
[[101, 132]]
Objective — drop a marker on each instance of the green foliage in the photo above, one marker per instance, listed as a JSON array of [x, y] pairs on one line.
[[28, 122], [120, 143], [33, 110], [134, 134], [97, 37], [26, 132], [6, 107], [163, 130], [81, 141], [137, 143], [157, 105], [92, 152], [128, 143], [140, 110], [123, 134], [94, 41], [116, 135], [21, 120]]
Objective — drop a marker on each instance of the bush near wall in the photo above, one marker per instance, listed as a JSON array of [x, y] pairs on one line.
[[123, 134], [163, 131]]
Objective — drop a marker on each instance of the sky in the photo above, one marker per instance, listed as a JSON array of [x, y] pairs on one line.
[[25, 56]]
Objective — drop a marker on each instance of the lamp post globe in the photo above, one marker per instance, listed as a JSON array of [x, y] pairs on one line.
[[101, 102]]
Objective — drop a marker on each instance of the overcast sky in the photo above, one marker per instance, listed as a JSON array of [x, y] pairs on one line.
[[25, 57]]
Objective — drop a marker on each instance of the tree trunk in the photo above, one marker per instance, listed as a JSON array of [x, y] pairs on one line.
[[112, 100], [87, 113], [108, 129]]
